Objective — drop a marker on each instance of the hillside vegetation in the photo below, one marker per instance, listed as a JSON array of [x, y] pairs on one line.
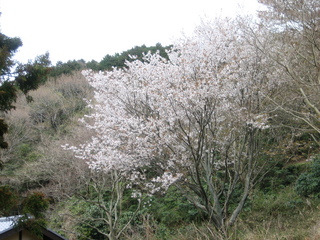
[[214, 137], [35, 161]]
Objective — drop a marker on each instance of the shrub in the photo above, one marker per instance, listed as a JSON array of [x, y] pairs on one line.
[[172, 209], [36, 204], [281, 176], [308, 183], [8, 200]]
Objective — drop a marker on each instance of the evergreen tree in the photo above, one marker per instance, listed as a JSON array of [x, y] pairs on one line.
[[118, 60], [16, 76]]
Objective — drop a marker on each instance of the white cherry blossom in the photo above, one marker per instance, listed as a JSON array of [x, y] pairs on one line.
[[184, 119]]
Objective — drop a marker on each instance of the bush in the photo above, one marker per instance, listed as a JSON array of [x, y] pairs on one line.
[[8, 200], [172, 209], [308, 184], [281, 176], [35, 204]]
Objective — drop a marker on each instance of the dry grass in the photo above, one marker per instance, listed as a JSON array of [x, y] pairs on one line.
[[301, 225]]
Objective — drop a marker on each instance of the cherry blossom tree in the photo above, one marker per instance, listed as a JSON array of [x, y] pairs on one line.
[[194, 121]]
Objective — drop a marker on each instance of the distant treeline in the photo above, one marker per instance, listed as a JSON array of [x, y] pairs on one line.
[[109, 61]]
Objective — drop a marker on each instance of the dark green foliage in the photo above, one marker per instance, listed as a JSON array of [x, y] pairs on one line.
[[89, 215], [109, 61], [234, 198], [3, 130], [94, 65], [281, 176], [67, 68], [8, 46], [8, 200], [32, 74], [118, 60], [8, 95], [172, 209], [308, 184], [90, 227], [35, 204]]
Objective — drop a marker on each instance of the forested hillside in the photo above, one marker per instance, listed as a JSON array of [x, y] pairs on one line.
[[214, 137], [109, 61]]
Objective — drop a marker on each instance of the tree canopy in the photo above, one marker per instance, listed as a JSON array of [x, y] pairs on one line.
[[118, 60]]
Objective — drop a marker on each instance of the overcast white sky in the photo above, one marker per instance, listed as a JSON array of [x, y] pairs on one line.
[[91, 29]]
